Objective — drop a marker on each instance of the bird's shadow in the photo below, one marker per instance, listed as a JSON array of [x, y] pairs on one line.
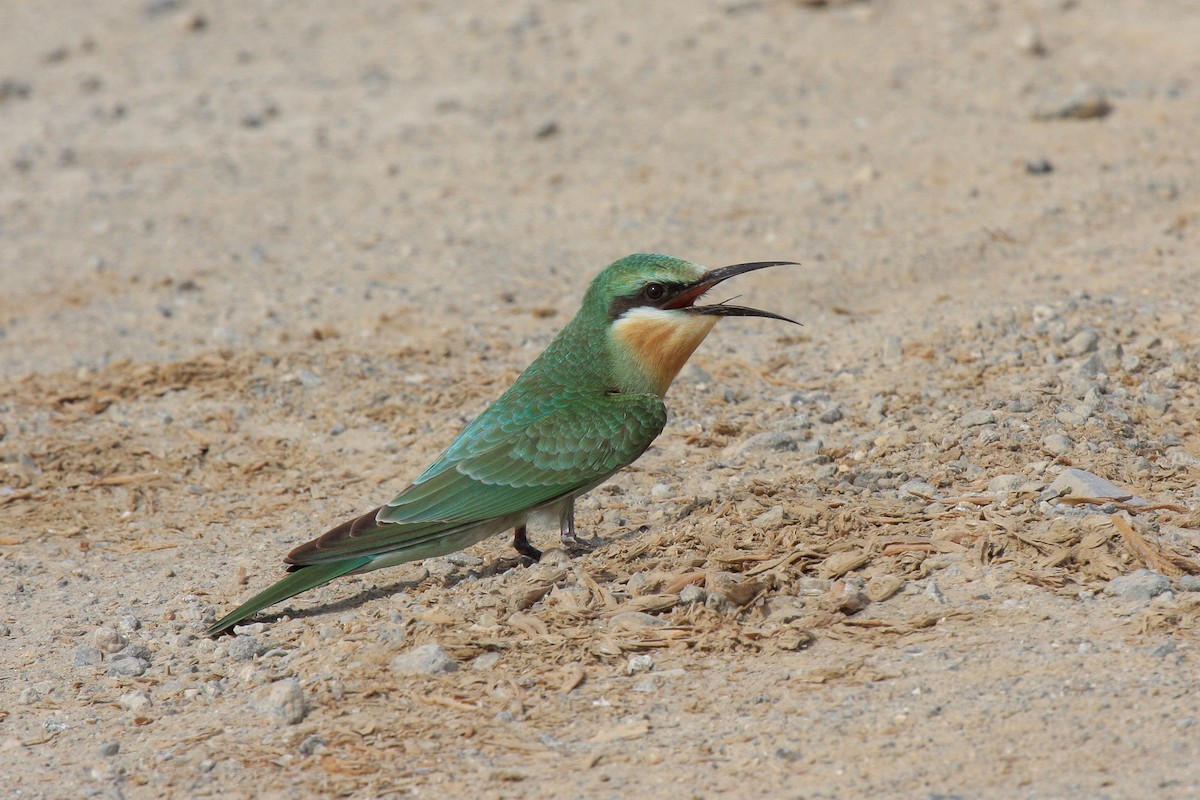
[[486, 570]]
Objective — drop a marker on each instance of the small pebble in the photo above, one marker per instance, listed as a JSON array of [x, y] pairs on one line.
[[1187, 583], [1091, 367], [976, 417], [638, 664], [1143, 584], [109, 639], [1081, 483], [128, 668], [87, 657], [1158, 402], [1164, 649], [311, 744], [875, 409], [134, 701], [768, 442], [1029, 41], [1084, 102], [35, 692], [464, 560], [893, 351], [769, 519], [1058, 444], [440, 568], [309, 379], [916, 488], [933, 591], [486, 661], [690, 595], [429, 659], [284, 700], [831, 415], [109, 749], [1009, 484], [244, 648], [1075, 418], [1039, 166], [882, 587], [136, 650], [1083, 342], [849, 597], [810, 586]]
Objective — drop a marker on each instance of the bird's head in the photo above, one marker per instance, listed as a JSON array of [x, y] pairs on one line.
[[654, 324]]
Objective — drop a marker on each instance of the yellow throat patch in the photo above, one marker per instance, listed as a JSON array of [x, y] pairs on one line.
[[661, 341]]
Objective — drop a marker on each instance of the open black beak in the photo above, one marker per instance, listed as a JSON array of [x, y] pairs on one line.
[[686, 298]]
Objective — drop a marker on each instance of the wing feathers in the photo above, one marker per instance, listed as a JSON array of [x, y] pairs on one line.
[[502, 465]]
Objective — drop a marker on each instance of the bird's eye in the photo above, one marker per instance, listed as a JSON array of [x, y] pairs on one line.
[[654, 291]]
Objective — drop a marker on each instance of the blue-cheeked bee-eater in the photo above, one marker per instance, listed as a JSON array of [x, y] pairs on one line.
[[590, 404]]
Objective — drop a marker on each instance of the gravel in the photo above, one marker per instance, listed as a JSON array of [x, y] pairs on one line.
[[87, 656], [245, 648], [1083, 342], [933, 592], [831, 415], [767, 442], [283, 701], [429, 659], [109, 639], [134, 701], [1189, 583], [1084, 102], [128, 667], [1081, 483], [639, 664], [977, 417], [1142, 585], [1058, 444]]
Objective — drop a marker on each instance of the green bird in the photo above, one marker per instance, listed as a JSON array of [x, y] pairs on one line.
[[590, 404]]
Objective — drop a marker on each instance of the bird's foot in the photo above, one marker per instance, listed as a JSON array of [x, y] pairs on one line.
[[571, 541], [522, 545]]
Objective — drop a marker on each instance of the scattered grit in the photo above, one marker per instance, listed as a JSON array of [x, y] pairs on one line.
[[874, 509]]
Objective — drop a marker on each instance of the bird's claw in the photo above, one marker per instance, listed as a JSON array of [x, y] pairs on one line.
[[529, 551], [522, 545], [571, 541]]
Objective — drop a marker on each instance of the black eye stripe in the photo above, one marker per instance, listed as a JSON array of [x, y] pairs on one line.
[[619, 305]]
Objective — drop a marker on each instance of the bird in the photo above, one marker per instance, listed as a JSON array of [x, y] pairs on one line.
[[588, 406]]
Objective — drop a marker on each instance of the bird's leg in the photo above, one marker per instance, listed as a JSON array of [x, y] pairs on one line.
[[523, 546], [566, 523]]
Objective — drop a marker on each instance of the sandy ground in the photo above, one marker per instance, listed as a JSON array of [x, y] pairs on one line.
[[260, 261]]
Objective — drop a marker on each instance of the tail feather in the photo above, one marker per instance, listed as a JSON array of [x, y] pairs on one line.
[[301, 580]]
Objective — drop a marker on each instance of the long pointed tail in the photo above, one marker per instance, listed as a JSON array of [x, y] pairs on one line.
[[293, 583]]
